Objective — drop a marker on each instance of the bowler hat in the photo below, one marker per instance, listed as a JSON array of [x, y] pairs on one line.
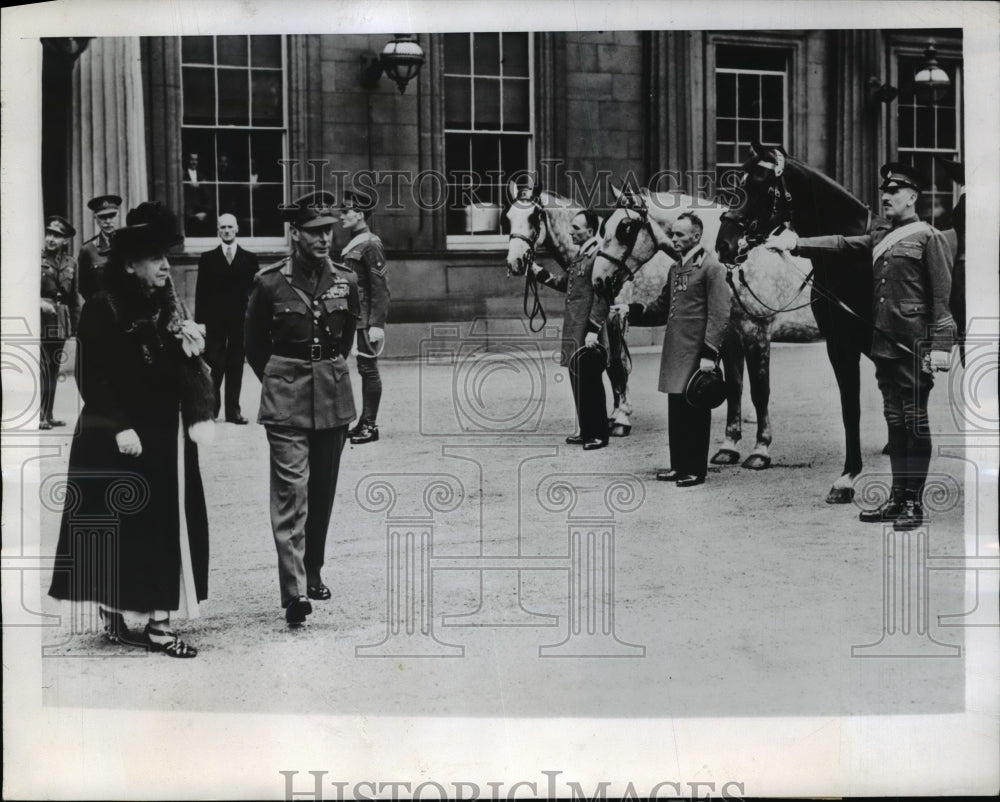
[[104, 203], [314, 210], [706, 389], [59, 225], [896, 175], [150, 229]]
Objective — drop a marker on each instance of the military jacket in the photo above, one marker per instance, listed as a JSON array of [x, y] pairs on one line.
[[912, 287], [695, 304], [365, 255], [92, 266], [299, 329], [59, 286]]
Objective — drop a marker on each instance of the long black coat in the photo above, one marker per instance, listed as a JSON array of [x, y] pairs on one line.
[[119, 538], [222, 290]]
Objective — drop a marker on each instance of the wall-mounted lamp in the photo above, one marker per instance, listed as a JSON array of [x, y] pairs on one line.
[[883, 93], [931, 80], [401, 61]]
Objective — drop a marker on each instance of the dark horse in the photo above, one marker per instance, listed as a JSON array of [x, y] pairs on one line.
[[778, 190]]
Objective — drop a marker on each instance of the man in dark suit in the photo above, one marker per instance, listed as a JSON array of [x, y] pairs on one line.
[[695, 304], [225, 275]]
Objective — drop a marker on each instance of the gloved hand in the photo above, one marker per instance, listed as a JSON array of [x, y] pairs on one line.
[[787, 240], [128, 443], [591, 339], [375, 335], [706, 364], [939, 360], [192, 337]]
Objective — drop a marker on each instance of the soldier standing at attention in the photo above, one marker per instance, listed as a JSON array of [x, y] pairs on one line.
[[300, 325], [365, 255], [914, 329], [60, 312], [94, 253]]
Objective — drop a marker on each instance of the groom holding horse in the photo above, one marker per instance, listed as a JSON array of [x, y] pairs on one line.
[[913, 329]]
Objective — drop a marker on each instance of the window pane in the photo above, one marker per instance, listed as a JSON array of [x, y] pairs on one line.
[[233, 198], [456, 154], [925, 127], [772, 132], [515, 54], [749, 130], [265, 51], [265, 153], [232, 157], [725, 83], [742, 153], [198, 149], [906, 126], [267, 99], [513, 156], [197, 50], [232, 50], [485, 155], [725, 130], [199, 95], [265, 218], [516, 105], [234, 100], [487, 50], [487, 103], [457, 103], [199, 210], [456, 53], [946, 128], [748, 89], [772, 90]]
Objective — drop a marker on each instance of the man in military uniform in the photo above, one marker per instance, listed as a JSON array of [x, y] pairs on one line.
[[584, 328], [60, 309], [365, 255], [300, 325], [913, 329], [93, 255], [695, 305]]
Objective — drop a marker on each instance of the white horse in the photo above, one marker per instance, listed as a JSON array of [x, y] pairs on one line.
[[635, 241]]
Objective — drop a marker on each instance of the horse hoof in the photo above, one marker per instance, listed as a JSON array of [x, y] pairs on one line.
[[725, 456], [757, 462], [620, 430], [840, 495]]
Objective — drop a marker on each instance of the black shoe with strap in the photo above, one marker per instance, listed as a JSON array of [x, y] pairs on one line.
[[887, 511], [164, 640], [320, 592]]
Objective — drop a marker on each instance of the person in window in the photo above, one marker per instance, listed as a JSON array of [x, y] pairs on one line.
[[197, 207], [225, 275], [60, 312], [92, 259], [695, 305], [365, 255], [131, 463], [584, 347], [913, 329]]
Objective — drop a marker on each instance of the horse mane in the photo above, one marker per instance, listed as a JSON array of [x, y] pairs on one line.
[[826, 207]]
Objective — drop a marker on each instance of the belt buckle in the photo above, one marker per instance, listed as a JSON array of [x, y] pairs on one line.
[[315, 352]]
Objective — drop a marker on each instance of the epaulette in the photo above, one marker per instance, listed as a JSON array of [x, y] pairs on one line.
[[275, 266], [342, 266]]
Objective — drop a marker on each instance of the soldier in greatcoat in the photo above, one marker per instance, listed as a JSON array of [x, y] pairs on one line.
[[300, 325], [695, 305], [60, 310], [584, 336], [93, 258], [913, 329]]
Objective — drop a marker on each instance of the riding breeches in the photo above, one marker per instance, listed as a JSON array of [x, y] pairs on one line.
[[905, 391], [371, 380]]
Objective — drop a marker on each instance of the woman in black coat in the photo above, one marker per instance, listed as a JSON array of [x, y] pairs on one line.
[[123, 541]]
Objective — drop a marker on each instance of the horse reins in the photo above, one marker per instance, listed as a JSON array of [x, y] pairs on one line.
[[530, 282]]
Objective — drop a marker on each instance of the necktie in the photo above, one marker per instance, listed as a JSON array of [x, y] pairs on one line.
[[229, 254]]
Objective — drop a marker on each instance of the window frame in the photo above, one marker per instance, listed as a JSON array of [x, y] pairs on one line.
[[490, 242], [252, 243]]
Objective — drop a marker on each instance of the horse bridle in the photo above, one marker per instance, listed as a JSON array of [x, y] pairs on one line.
[[628, 238], [531, 241], [530, 283], [781, 204]]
